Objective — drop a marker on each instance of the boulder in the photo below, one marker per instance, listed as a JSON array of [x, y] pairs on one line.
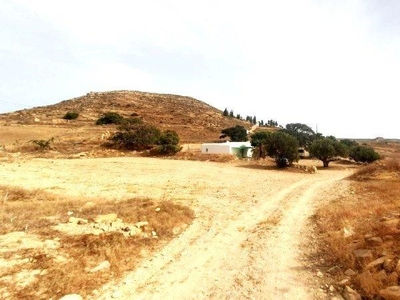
[[350, 294], [109, 218], [390, 293]]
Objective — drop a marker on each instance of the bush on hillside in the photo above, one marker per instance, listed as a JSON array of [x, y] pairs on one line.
[[110, 118], [71, 115]]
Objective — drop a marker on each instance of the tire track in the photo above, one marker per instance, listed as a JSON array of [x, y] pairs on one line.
[[216, 263]]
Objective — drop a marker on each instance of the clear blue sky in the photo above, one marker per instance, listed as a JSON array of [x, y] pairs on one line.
[[331, 63]]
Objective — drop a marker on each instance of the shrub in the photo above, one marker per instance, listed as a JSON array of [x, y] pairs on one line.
[[43, 144], [364, 154], [165, 149], [71, 115], [110, 118], [136, 136]]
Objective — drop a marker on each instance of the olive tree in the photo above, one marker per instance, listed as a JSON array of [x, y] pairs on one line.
[[283, 148], [327, 149]]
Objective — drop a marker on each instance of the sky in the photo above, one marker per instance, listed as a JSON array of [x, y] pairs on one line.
[[333, 65]]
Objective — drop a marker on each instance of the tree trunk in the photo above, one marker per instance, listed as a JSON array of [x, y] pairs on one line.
[[326, 163]]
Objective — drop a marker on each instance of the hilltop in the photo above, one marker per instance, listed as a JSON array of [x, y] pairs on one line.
[[195, 121]]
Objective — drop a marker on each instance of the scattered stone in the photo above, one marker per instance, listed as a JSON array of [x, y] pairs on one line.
[[344, 282], [72, 297], [70, 213], [375, 241], [141, 224], [334, 270], [347, 232], [388, 265], [350, 294], [102, 266], [109, 218], [375, 263], [319, 274], [332, 289], [116, 294], [349, 272], [337, 297], [390, 293], [78, 221], [158, 209], [363, 256]]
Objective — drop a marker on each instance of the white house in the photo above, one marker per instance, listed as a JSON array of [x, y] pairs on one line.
[[240, 149]]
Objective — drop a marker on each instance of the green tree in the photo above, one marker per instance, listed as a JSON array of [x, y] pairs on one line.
[[364, 154], [327, 150], [283, 147], [136, 136], [225, 113], [259, 140], [254, 121], [349, 143], [231, 114], [236, 134], [302, 132], [168, 143]]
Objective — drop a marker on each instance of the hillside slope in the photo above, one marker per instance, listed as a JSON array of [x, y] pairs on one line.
[[194, 120]]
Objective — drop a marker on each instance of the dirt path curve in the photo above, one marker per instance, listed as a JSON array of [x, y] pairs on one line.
[[245, 242]]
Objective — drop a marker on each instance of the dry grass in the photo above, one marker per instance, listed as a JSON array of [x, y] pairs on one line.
[[65, 270], [367, 217]]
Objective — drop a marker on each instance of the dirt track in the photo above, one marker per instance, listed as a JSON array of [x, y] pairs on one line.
[[247, 239]]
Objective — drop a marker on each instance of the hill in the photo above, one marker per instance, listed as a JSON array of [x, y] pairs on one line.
[[194, 120]]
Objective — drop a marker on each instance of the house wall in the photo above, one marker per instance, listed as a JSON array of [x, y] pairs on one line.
[[215, 149], [227, 148]]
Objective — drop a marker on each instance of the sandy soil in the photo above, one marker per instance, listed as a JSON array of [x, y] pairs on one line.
[[248, 239]]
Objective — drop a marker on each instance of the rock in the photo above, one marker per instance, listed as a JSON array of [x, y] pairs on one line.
[[332, 289], [319, 274], [375, 263], [344, 282], [70, 213], [398, 268], [334, 270], [350, 294], [158, 209], [141, 224], [102, 266], [72, 297], [349, 272], [390, 293], [116, 294], [363, 256], [337, 297], [79, 221], [375, 241], [347, 232], [388, 265], [106, 218]]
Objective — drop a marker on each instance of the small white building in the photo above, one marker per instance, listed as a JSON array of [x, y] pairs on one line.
[[240, 149]]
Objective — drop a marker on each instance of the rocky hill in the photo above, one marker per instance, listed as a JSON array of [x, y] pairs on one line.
[[194, 120]]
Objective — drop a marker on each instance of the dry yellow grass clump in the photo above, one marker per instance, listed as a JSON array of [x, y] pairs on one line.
[[62, 261]]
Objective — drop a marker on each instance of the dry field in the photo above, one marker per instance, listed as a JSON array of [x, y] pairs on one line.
[[186, 229]]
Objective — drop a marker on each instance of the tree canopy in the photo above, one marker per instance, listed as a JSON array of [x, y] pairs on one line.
[[236, 134], [283, 147], [328, 149], [302, 132]]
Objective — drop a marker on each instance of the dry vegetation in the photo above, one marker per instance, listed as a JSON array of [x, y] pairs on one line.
[[368, 220], [31, 246]]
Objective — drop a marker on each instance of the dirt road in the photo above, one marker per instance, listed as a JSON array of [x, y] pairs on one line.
[[246, 241]]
